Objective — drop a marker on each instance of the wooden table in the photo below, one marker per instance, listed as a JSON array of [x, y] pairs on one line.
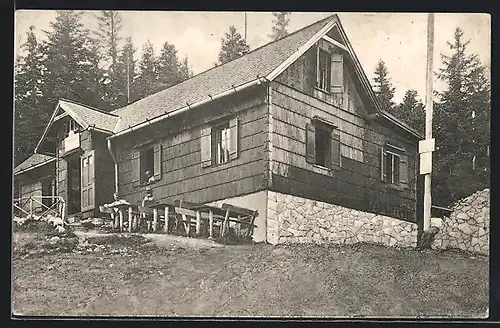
[[121, 207]]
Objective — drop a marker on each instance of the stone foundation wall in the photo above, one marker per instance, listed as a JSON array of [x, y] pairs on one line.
[[292, 219], [468, 226]]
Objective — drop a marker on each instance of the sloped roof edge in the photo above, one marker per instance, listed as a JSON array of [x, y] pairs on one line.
[[61, 104], [38, 161]]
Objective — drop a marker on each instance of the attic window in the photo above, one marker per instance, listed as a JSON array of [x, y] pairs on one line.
[[324, 69], [70, 125], [330, 71]]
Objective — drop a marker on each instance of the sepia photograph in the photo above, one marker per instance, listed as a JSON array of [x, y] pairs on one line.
[[210, 164]]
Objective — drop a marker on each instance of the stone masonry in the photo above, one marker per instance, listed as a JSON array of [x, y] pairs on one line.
[[292, 219], [468, 226]]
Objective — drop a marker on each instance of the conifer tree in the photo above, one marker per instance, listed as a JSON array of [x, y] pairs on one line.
[[412, 111], [461, 125], [232, 46], [126, 73], [280, 22], [29, 116], [384, 91], [108, 33]]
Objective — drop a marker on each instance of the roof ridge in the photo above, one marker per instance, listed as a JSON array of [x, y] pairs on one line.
[[248, 53], [89, 107]]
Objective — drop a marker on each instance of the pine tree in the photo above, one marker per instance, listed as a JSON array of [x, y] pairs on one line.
[[412, 111], [169, 66], [108, 33], [383, 87], [29, 117], [461, 125], [233, 46], [147, 81], [280, 22], [185, 70], [72, 61], [126, 73]]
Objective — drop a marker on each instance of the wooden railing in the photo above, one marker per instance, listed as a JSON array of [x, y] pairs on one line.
[[27, 206], [183, 217]]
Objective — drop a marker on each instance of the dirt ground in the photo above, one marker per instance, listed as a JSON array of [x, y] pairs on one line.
[[178, 276]]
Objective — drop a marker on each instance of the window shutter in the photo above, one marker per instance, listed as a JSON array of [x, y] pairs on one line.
[[382, 160], [310, 143], [233, 141], [206, 147], [335, 147], [157, 162], [403, 171], [136, 167], [337, 74]]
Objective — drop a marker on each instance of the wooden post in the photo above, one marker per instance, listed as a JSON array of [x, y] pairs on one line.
[[135, 222], [120, 211], [187, 223], [130, 219], [198, 223], [238, 226], [211, 223], [165, 227], [428, 117], [224, 224], [31, 208], [148, 220], [155, 219]]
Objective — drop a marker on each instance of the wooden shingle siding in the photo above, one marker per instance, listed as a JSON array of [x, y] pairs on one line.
[[357, 183], [183, 175]]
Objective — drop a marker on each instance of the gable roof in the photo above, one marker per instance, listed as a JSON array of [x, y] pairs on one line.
[[258, 63], [34, 161], [86, 116], [265, 62]]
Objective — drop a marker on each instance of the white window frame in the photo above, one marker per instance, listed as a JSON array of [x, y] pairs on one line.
[[393, 168]]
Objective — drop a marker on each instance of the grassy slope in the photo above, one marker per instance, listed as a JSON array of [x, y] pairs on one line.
[[263, 280]]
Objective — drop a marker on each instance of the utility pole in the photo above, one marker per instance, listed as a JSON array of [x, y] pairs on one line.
[[245, 25], [128, 78], [426, 147]]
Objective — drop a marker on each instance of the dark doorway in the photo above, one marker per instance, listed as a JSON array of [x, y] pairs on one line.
[[74, 176], [47, 191]]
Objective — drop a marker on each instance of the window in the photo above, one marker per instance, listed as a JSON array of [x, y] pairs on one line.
[[70, 125], [323, 143], [324, 69], [146, 164], [219, 143], [394, 166], [330, 71]]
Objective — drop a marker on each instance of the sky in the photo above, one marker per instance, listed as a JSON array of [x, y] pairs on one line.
[[399, 39]]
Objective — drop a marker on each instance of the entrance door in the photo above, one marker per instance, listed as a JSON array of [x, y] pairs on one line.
[[74, 173], [88, 182]]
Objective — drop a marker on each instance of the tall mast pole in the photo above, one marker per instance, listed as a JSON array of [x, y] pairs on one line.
[[245, 25], [428, 119], [128, 77]]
